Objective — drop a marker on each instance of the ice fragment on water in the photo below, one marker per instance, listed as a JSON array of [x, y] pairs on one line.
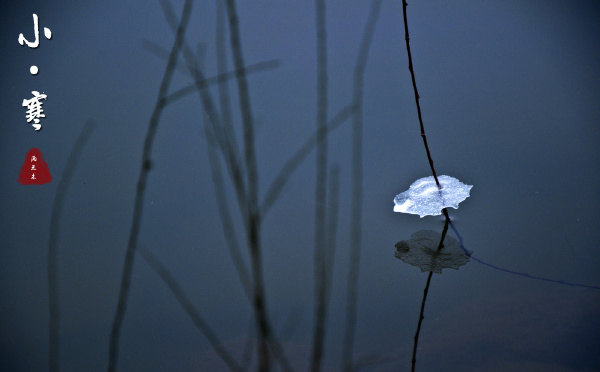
[[425, 199]]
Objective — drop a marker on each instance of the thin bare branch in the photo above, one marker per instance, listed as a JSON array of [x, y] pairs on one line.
[[228, 150], [332, 223], [192, 88], [141, 187], [279, 182], [190, 309], [321, 180], [326, 267], [53, 287], [223, 79], [161, 53], [252, 212], [357, 191], [225, 216], [412, 75]]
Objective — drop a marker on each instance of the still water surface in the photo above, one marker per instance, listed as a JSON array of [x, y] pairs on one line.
[[509, 94]]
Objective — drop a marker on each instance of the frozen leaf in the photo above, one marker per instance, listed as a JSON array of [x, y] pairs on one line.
[[425, 199], [421, 251]]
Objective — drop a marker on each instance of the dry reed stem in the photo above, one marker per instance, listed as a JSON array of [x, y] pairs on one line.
[[140, 191]]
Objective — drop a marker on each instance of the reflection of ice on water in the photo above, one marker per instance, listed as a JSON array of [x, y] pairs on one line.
[[422, 251], [425, 199]]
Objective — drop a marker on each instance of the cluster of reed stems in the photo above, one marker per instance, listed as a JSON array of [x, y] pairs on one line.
[[243, 171]]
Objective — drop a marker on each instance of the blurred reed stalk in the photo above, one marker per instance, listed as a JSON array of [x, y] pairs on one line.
[[190, 309], [320, 265], [357, 191], [193, 68], [246, 189], [252, 210], [53, 285], [323, 287], [220, 135], [141, 186], [217, 138]]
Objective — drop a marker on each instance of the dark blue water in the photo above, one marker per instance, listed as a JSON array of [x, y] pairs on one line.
[[509, 95]]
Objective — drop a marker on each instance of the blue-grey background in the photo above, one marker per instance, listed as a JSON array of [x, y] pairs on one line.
[[511, 104]]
